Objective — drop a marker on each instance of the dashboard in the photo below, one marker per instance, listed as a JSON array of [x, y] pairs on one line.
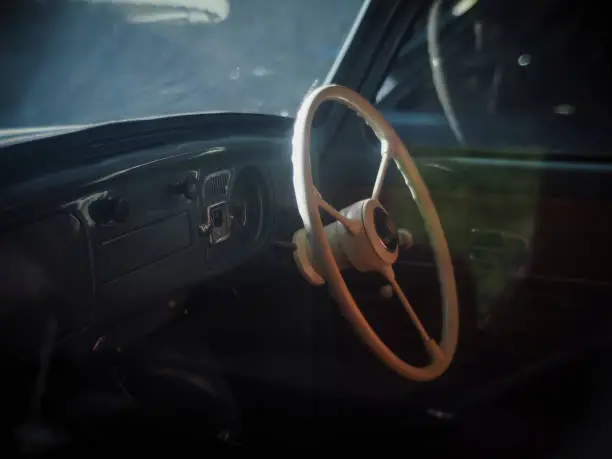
[[132, 213]]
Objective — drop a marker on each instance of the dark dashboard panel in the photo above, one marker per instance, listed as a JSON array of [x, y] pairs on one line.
[[176, 224], [149, 221], [130, 251]]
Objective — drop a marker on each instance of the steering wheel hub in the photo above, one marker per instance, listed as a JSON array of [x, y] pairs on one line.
[[386, 229]]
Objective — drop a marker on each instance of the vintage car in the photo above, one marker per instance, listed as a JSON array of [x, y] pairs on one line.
[[415, 258]]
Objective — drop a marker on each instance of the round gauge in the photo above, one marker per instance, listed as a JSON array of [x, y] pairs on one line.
[[246, 204]]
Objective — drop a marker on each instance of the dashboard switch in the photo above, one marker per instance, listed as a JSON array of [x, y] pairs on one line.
[[216, 215], [189, 187], [218, 222]]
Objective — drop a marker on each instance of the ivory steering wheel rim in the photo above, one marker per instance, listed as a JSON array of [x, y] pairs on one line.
[[310, 202]]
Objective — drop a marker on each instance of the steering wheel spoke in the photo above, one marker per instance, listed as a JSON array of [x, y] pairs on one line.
[[351, 226], [434, 351]]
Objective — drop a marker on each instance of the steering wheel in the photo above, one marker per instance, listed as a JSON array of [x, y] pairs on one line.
[[364, 237]]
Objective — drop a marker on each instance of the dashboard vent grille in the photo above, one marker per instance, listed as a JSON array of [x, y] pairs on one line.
[[216, 185]]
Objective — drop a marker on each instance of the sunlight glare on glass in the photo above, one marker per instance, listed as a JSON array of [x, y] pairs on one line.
[[193, 11], [463, 6]]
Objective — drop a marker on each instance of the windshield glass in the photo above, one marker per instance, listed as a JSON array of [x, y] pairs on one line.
[[504, 75], [91, 61]]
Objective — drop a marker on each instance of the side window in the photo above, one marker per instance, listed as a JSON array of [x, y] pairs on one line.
[[509, 75]]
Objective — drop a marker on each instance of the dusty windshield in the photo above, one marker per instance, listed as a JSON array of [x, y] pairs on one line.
[[504, 75], [90, 61]]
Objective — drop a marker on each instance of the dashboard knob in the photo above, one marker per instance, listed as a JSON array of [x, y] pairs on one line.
[[109, 210], [120, 210], [188, 187]]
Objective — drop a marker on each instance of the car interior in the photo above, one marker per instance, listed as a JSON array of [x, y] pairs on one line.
[[417, 261]]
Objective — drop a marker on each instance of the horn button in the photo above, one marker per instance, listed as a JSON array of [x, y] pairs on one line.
[[373, 246], [385, 229]]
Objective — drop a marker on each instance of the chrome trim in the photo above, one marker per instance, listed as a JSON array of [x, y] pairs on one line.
[[209, 225], [226, 172]]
